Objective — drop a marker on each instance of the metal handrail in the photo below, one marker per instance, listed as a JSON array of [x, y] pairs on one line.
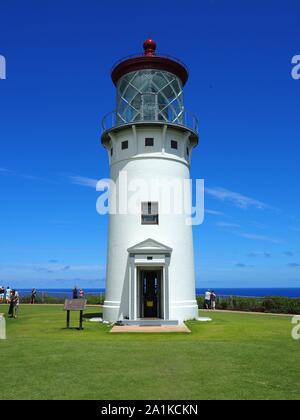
[[140, 55], [110, 120]]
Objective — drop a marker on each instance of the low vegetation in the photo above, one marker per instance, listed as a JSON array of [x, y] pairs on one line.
[[57, 300], [282, 305], [276, 305]]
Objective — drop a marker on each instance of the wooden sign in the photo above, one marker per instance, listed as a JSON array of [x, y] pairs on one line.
[[75, 305]]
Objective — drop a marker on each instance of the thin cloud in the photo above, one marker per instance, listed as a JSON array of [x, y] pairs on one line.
[[259, 254], [255, 237], [293, 265], [214, 213], [53, 267], [83, 181], [237, 199], [289, 253], [6, 171], [61, 222], [228, 225], [242, 265]]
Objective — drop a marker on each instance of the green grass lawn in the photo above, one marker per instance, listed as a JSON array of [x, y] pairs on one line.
[[238, 356]]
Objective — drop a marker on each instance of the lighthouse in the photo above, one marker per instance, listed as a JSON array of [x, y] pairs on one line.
[[149, 139]]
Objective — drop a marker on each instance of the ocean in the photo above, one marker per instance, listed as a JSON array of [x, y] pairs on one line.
[[257, 292]]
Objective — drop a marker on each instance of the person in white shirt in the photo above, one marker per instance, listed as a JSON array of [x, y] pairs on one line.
[[8, 293], [207, 300], [213, 298]]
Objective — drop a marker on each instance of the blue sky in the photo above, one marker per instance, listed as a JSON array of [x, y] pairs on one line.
[[58, 87]]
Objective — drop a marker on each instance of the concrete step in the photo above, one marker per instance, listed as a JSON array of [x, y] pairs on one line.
[[150, 322]]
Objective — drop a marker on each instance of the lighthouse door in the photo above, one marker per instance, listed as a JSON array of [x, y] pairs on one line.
[[151, 294]]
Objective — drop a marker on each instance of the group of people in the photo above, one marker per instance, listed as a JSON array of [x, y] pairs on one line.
[[78, 294], [210, 300], [5, 294], [10, 297]]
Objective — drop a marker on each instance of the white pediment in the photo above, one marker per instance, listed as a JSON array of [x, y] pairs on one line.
[[149, 245]]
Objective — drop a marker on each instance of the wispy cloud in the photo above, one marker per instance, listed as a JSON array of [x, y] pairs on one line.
[[255, 237], [237, 199], [242, 265], [289, 253], [228, 225], [295, 229], [294, 265], [53, 267], [83, 181], [5, 171], [259, 254], [61, 222], [214, 213]]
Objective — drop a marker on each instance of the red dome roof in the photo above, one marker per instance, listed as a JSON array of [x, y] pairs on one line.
[[149, 61]]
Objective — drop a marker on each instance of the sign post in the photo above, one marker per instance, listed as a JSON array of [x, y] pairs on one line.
[[75, 305]]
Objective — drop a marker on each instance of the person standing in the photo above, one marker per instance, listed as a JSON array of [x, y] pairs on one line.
[[33, 296], [12, 304], [2, 291], [81, 294], [8, 294], [75, 293], [207, 299], [213, 299]]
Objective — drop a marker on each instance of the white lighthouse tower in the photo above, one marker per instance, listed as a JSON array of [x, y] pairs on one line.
[[149, 138]]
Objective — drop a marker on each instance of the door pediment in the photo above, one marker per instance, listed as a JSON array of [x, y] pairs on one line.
[[150, 246]]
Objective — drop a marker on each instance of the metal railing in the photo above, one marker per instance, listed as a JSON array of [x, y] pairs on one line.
[[187, 119]]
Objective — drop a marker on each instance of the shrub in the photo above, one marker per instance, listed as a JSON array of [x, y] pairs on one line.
[[59, 300], [271, 304]]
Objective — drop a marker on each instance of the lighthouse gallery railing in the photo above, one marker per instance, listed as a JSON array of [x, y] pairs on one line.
[[187, 119]]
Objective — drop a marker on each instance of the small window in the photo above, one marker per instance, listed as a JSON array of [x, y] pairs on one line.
[[150, 213], [111, 151], [174, 144], [149, 142], [124, 145]]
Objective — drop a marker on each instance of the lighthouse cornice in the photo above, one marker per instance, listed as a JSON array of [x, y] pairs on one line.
[[192, 132], [133, 142], [154, 157]]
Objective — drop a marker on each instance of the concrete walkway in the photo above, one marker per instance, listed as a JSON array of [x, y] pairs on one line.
[[160, 329]]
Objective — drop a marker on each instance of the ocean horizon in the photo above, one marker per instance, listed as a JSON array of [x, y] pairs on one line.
[[241, 292]]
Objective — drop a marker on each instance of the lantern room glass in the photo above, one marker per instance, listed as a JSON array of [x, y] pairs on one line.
[[150, 95]]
